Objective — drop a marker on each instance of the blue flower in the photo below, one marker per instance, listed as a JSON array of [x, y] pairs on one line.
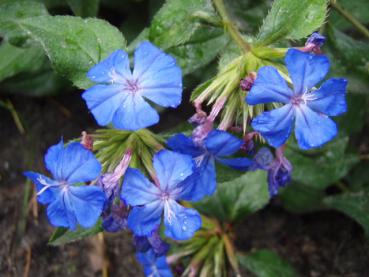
[[69, 204], [114, 217], [153, 241], [216, 146], [149, 200], [154, 266], [120, 95], [316, 39], [308, 107], [279, 168]]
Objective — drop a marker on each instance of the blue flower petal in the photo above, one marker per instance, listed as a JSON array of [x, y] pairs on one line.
[[135, 113], [313, 129], [183, 144], [154, 266], [221, 143], [104, 100], [58, 215], [137, 189], [276, 125], [87, 203], [237, 163], [114, 69], [305, 69], [269, 86], [48, 195], [159, 78], [171, 168], [143, 220], [330, 99], [72, 163], [180, 223], [201, 183]]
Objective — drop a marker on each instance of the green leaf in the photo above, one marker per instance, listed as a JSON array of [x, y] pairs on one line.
[[201, 49], [353, 204], [84, 8], [62, 235], [14, 60], [299, 198], [175, 23], [266, 263], [321, 168], [292, 19], [177, 29], [358, 179], [11, 12], [73, 44], [238, 198]]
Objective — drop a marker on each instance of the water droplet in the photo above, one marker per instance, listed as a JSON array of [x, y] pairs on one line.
[[184, 228]]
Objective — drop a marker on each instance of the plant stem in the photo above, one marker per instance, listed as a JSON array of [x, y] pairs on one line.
[[230, 27], [9, 106], [349, 17]]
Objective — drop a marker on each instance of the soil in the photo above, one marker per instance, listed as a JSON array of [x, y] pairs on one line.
[[319, 244]]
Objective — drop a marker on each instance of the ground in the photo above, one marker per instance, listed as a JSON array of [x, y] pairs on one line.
[[319, 244]]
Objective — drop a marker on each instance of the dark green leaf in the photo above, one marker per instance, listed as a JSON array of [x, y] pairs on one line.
[[238, 198], [14, 60], [11, 12], [299, 198], [321, 168], [266, 263], [358, 179], [353, 204], [72, 44], [292, 19], [358, 9], [62, 236], [84, 8]]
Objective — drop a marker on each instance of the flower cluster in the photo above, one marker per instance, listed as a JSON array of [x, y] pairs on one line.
[[79, 193]]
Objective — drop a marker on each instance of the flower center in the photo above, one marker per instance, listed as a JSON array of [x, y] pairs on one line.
[[132, 86], [296, 100]]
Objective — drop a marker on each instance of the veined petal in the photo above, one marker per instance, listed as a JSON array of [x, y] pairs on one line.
[[220, 143], [305, 69], [171, 168], [330, 98], [103, 101], [276, 125], [135, 113], [159, 77], [153, 265], [137, 189], [72, 163], [237, 163], [143, 220], [313, 129], [269, 86], [183, 144], [201, 183], [57, 213], [114, 69], [87, 203], [180, 223], [47, 188]]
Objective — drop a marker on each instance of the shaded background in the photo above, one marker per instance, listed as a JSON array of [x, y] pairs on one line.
[[324, 243]]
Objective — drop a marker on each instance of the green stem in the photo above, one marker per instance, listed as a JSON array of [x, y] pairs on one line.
[[230, 27], [349, 17], [9, 106]]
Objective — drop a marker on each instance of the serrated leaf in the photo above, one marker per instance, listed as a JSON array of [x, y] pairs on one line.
[[14, 60], [266, 263], [238, 198], [323, 167], [292, 19], [353, 204], [174, 23], [62, 235], [84, 8], [73, 44]]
